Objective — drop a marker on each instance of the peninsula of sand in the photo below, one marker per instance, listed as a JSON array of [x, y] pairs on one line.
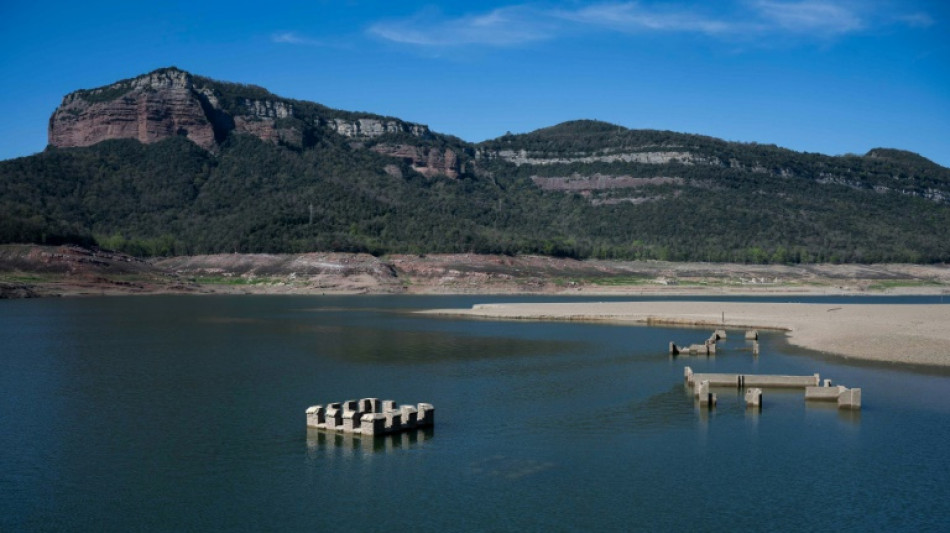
[[899, 333]]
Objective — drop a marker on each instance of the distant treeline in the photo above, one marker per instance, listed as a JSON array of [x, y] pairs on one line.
[[173, 198]]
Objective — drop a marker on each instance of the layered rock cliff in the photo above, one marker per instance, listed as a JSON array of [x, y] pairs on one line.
[[424, 160], [148, 108], [171, 102]]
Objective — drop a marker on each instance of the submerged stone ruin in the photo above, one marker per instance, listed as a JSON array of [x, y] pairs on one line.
[[815, 389], [708, 347], [369, 416]]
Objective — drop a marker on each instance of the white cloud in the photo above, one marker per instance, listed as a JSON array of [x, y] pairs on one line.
[[739, 19], [916, 20], [289, 37], [501, 27], [632, 17], [810, 16]]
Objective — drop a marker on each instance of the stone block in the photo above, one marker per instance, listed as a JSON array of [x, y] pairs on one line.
[[824, 394], [850, 399], [698, 349], [334, 417], [373, 424], [389, 405], [701, 389], [369, 405], [717, 380], [350, 405], [316, 416], [393, 421], [765, 380], [351, 421], [753, 397], [720, 333], [705, 397], [751, 335], [409, 416], [426, 416]]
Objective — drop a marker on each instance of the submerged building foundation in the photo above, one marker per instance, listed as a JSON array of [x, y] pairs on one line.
[[369, 416], [815, 389]]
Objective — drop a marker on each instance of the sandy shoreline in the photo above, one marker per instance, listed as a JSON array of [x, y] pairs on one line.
[[910, 334]]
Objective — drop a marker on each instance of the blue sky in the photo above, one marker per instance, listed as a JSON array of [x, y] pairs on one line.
[[814, 75]]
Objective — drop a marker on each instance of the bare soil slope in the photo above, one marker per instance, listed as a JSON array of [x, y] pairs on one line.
[[32, 270]]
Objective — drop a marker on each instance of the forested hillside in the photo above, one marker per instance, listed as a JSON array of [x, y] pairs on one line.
[[300, 181]]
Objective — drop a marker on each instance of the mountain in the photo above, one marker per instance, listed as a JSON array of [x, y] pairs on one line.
[[170, 163], [170, 102]]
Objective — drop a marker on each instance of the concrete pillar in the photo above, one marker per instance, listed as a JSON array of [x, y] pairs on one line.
[[369, 405], [751, 335], [393, 421], [688, 375], [351, 421], [389, 405], [711, 349], [826, 383], [410, 416], [373, 424], [753, 397], [705, 397], [334, 417], [426, 415], [701, 388], [350, 405], [316, 416], [755, 348], [850, 399], [721, 333]]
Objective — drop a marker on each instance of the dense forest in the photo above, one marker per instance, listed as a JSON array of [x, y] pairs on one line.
[[722, 201]]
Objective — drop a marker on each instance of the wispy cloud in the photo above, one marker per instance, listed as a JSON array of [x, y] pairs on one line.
[[916, 20], [633, 17], [289, 37], [740, 19], [810, 16], [500, 27]]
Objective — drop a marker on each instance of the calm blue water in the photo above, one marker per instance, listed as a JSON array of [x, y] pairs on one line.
[[187, 413]]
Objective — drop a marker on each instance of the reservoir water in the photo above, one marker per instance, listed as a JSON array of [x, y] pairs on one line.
[[187, 413]]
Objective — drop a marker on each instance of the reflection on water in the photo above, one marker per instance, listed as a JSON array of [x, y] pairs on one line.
[[323, 443]]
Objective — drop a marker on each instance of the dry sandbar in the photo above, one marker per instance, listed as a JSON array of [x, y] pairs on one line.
[[900, 333]]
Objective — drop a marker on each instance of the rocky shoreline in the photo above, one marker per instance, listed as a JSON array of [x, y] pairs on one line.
[[37, 271]]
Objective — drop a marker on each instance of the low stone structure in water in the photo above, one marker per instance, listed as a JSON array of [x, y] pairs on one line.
[[815, 388], [708, 347], [369, 416]]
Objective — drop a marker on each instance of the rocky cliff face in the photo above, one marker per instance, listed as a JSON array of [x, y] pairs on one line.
[[368, 128], [149, 108], [170, 102], [427, 161]]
